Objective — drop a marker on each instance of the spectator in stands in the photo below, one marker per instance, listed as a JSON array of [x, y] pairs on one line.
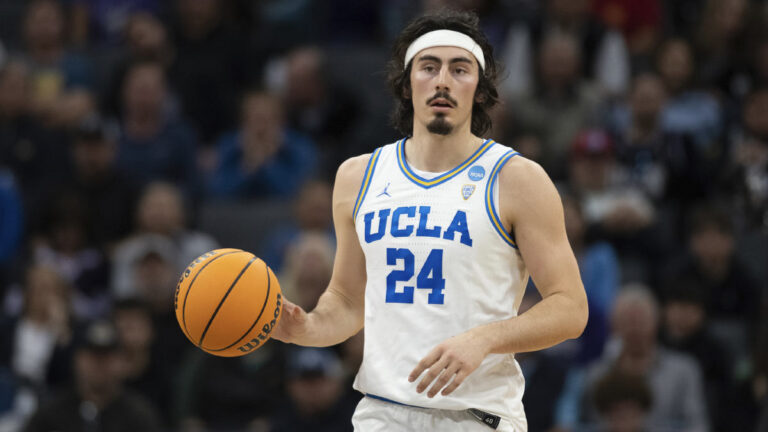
[[561, 97], [616, 210], [265, 158], [722, 44], [65, 246], [146, 371], [687, 110], [162, 213], [154, 144], [640, 21], [318, 401], [667, 166], [98, 400], [12, 215], [600, 273], [58, 75], [545, 375], [213, 62], [674, 379], [109, 196], [684, 328], [311, 213], [315, 106], [623, 402], [746, 179], [232, 394], [603, 56], [146, 38], [730, 291], [103, 22], [308, 268], [36, 345], [30, 150]]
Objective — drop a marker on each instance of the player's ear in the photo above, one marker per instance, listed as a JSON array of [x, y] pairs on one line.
[[407, 90]]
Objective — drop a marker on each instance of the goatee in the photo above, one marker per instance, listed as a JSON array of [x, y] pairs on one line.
[[440, 126]]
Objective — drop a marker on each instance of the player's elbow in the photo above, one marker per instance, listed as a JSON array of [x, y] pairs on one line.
[[580, 315]]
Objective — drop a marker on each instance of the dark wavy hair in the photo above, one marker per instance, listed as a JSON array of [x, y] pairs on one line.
[[399, 79]]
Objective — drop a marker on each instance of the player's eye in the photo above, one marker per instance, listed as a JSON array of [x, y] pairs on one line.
[[428, 68]]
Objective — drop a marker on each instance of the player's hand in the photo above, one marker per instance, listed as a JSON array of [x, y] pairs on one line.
[[455, 359], [292, 325]]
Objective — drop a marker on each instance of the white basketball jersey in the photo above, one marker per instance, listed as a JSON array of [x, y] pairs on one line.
[[438, 263]]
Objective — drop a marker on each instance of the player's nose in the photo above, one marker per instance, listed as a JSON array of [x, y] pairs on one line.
[[443, 79]]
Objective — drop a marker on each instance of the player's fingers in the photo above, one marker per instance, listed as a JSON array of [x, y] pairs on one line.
[[446, 376], [457, 380], [432, 373], [425, 363]]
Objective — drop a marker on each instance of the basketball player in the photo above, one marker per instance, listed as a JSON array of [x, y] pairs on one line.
[[437, 235]]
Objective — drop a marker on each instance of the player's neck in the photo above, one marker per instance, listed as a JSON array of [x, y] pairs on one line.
[[438, 153]]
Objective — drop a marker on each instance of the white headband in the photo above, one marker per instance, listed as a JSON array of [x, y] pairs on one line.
[[445, 38]]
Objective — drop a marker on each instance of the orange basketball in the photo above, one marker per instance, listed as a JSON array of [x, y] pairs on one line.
[[227, 302]]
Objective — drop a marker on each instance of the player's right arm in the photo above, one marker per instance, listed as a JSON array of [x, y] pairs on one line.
[[339, 313]]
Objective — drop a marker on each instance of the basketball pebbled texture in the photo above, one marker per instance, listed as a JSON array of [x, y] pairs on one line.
[[227, 302]]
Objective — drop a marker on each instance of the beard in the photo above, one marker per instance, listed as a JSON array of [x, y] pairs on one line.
[[439, 125]]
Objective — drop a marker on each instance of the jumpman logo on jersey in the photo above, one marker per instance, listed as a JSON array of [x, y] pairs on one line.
[[384, 192]]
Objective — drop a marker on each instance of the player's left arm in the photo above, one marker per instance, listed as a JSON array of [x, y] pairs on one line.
[[530, 204]]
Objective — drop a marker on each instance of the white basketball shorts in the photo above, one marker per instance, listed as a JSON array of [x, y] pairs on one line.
[[373, 415]]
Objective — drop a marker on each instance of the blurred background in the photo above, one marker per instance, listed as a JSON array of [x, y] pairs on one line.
[[136, 135]]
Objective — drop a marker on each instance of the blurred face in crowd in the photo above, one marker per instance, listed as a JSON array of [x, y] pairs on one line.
[[313, 206], [14, 89], [559, 59], [155, 279], [311, 261], [635, 321], [443, 85], [647, 99], [198, 16], [728, 15], [625, 416], [134, 326], [161, 209], [262, 117], [682, 319], [93, 156], [591, 173], [98, 371], [44, 25], [756, 113], [306, 86], [675, 64], [144, 90], [45, 294], [712, 248], [146, 36], [568, 12], [314, 393]]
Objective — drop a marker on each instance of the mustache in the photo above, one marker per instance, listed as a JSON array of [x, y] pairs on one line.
[[443, 95]]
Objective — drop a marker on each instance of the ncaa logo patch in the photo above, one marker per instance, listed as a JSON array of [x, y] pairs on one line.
[[466, 190], [476, 173]]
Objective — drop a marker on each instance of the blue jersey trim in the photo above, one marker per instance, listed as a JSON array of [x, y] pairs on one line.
[[383, 399], [442, 178], [367, 177], [490, 206]]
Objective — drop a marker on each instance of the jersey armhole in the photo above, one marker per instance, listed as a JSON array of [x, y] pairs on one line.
[[367, 176], [490, 205]]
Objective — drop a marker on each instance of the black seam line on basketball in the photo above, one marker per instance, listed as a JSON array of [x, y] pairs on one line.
[[189, 289], [200, 344], [264, 306]]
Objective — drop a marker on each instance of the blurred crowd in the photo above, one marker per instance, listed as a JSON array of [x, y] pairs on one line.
[[136, 135]]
